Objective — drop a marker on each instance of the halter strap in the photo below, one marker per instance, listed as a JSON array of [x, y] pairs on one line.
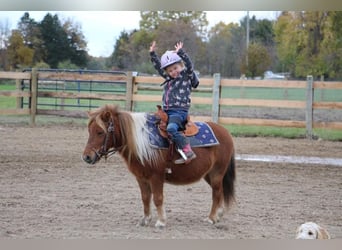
[[104, 151]]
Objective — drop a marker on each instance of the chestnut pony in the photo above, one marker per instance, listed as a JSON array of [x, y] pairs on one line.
[[112, 130]]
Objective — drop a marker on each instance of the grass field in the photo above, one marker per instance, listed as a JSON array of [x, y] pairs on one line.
[[7, 102], [331, 95], [232, 92]]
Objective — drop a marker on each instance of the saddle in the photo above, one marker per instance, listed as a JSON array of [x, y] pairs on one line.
[[191, 128]]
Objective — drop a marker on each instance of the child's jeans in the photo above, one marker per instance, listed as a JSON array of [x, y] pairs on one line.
[[176, 123]]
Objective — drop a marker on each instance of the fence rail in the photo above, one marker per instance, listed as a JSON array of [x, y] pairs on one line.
[[132, 91], [18, 94]]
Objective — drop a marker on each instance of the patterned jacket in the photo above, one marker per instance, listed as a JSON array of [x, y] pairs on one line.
[[177, 91]]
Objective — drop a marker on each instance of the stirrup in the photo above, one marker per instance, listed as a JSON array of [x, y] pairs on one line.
[[185, 160], [181, 152]]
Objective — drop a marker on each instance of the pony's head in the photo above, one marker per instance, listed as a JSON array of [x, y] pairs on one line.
[[110, 130]]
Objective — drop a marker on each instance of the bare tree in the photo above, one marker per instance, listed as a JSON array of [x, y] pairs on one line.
[[4, 36], [4, 33]]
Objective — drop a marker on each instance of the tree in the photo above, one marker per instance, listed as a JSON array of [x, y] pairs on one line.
[[4, 36], [331, 46], [224, 49], [67, 65], [308, 42], [170, 32], [77, 43], [97, 63], [262, 32], [131, 50], [138, 47], [168, 27], [309, 61], [30, 32], [258, 60], [19, 55], [55, 40], [63, 42], [118, 59], [151, 20], [287, 41]]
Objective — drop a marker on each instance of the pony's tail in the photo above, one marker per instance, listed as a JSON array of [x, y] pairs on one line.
[[228, 183]]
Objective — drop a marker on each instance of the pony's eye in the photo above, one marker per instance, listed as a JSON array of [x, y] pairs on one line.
[[100, 133]]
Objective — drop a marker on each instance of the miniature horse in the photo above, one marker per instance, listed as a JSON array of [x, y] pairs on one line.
[[112, 130]]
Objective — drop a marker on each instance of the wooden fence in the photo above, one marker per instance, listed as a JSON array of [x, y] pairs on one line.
[[146, 89]]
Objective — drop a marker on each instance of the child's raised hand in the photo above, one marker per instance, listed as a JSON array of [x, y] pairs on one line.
[[178, 46], [153, 46]]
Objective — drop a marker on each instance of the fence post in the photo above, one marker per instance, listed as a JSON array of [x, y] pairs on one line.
[[18, 88], [309, 107], [129, 91], [216, 98], [33, 104], [322, 90]]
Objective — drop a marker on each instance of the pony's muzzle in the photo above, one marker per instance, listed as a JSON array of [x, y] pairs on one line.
[[88, 159]]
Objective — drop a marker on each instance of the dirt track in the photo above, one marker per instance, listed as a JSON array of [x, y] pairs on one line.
[[48, 192]]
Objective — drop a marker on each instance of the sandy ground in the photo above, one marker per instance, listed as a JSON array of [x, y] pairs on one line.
[[48, 192]]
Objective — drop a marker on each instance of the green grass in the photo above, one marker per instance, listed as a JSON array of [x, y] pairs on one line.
[[263, 93], [331, 95], [53, 103], [290, 133], [254, 131], [7, 102], [7, 86], [234, 92], [329, 134]]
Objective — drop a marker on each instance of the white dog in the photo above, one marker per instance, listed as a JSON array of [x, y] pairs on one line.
[[311, 230]]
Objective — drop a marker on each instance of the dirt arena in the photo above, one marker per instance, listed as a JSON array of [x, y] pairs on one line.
[[48, 192]]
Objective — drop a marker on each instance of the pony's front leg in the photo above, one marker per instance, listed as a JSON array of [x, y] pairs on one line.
[[146, 196], [158, 199]]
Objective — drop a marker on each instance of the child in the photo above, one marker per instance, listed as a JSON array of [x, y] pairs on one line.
[[179, 80]]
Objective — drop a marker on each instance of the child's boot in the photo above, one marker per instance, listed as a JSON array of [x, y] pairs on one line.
[[187, 155]]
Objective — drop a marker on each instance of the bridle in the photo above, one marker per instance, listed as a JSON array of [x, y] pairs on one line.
[[104, 151]]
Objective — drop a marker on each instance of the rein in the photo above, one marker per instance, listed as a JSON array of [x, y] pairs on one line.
[[104, 151]]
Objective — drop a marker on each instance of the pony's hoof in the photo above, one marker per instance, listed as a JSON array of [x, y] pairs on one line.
[[210, 221], [160, 225], [220, 213], [145, 221]]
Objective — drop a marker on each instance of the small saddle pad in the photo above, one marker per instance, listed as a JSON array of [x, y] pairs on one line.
[[204, 138]]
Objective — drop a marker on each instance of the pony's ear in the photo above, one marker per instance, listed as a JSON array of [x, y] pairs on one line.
[[106, 116]]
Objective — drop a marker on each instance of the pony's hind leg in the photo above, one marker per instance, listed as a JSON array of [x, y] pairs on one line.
[[146, 196], [217, 208]]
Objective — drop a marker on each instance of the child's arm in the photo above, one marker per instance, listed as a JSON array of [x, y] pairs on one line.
[[155, 60], [188, 64]]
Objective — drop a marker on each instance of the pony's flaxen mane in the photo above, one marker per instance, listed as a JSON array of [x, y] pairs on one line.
[[144, 150], [133, 131]]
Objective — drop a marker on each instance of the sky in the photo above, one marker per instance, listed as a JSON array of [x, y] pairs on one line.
[[102, 28]]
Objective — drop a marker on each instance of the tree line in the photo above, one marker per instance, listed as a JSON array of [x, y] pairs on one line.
[[47, 44], [300, 43]]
